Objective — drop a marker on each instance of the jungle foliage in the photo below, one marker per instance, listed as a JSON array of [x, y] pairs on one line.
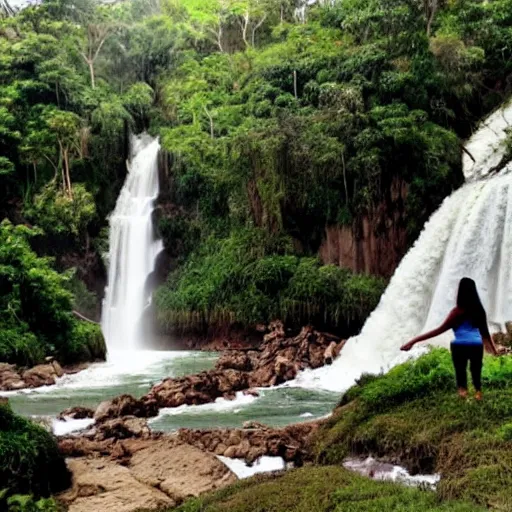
[[277, 117]]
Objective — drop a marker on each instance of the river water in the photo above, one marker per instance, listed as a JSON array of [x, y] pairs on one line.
[[134, 372]]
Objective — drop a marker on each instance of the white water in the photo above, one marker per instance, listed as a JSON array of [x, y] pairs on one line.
[[382, 471], [133, 249], [469, 235], [264, 464]]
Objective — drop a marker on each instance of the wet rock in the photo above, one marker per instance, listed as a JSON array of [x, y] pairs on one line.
[[10, 379], [76, 413], [123, 428], [125, 405], [235, 360], [40, 375], [251, 392], [278, 360], [254, 440]]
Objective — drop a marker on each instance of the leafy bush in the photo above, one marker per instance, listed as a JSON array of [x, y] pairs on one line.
[[85, 343], [21, 348], [36, 308], [59, 214], [27, 503], [31, 462]]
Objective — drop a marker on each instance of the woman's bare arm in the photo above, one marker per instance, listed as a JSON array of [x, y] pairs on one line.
[[448, 323]]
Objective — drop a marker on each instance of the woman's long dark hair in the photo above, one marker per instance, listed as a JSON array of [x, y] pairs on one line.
[[469, 302]]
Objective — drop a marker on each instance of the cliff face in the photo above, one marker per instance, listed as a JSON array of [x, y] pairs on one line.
[[375, 242]]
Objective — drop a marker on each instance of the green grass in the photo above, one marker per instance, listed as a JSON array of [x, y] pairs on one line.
[[413, 415], [321, 489]]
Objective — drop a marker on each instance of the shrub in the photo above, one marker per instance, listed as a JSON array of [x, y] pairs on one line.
[[20, 348], [85, 343], [250, 277], [31, 462], [36, 308]]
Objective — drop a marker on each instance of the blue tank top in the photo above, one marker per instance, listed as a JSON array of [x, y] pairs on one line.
[[466, 334]]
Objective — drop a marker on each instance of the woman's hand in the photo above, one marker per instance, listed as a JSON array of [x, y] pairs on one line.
[[408, 346]]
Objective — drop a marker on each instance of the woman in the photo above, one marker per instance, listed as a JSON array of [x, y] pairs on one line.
[[469, 323]]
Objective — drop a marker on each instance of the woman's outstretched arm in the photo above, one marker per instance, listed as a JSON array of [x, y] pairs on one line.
[[448, 323]]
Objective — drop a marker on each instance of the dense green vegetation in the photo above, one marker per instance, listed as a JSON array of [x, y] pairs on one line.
[[36, 317], [277, 122], [312, 123], [413, 414], [31, 462], [249, 278]]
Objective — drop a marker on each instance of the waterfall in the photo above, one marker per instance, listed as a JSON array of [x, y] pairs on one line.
[[133, 248], [469, 235]]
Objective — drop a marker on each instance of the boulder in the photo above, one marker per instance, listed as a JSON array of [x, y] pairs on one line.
[[123, 428], [10, 379], [179, 470], [76, 413], [40, 375], [101, 485], [234, 360], [125, 405]]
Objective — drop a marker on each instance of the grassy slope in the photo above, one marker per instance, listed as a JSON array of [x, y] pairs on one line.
[[411, 415], [319, 489]]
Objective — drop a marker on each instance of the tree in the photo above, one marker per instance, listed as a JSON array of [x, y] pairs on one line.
[[65, 127]]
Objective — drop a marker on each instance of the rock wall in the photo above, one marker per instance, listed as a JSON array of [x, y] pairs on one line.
[[375, 242]]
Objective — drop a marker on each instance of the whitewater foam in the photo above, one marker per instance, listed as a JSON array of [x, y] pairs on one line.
[[264, 464]]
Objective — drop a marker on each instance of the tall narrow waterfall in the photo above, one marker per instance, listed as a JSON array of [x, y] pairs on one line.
[[469, 235], [133, 248]]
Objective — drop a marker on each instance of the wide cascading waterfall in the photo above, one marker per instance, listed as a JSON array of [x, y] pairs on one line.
[[133, 249], [469, 235]]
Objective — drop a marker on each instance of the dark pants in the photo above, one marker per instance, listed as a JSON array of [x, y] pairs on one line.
[[461, 354]]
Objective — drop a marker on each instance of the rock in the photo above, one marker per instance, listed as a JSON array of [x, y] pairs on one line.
[[254, 425], [125, 405], [82, 446], [278, 360], [76, 413], [123, 428], [251, 392], [234, 360], [101, 485], [290, 442], [276, 331], [508, 328], [230, 452], [59, 372], [332, 351], [179, 470], [10, 379], [40, 375]]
